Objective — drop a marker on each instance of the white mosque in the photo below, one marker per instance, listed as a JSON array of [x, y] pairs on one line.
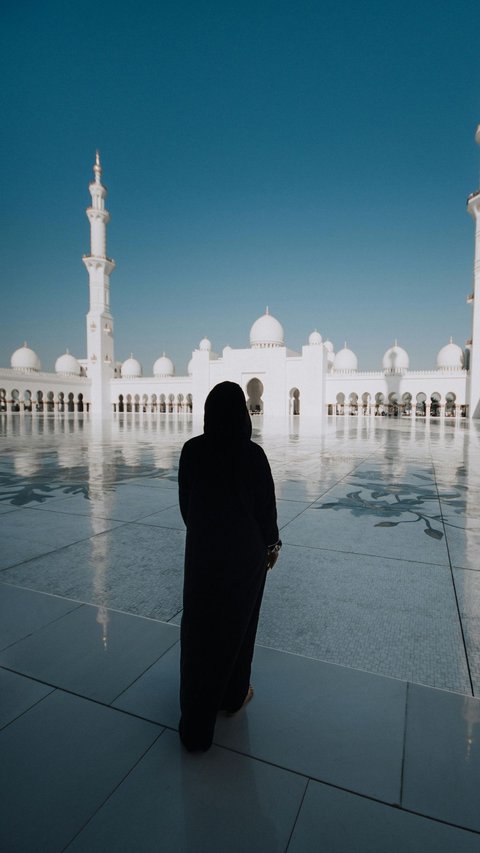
[[277, 381]]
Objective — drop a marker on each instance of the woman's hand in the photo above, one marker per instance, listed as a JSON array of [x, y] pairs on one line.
[[272, 554], [272, 557]]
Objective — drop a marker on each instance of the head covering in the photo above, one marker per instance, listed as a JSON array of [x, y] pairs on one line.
[[226, 414]]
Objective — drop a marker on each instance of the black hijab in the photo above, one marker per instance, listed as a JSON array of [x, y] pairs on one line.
[[226, 414]]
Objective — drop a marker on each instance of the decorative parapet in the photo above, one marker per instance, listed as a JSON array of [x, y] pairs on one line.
[[382, 374], [151, 380], [39, 376]]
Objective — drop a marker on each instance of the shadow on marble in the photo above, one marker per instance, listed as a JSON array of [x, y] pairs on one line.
[[91, 651], [442, 756], [176, 802], [133, 568], [339, 822], [60, 760]]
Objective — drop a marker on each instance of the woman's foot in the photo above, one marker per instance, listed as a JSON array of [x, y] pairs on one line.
[[247, 699]]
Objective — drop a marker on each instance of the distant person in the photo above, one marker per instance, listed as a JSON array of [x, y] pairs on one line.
[[227, 501]]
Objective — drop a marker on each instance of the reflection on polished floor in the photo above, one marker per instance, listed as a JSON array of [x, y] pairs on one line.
[[364, 732]]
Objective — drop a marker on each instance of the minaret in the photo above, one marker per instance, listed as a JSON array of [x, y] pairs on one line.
[[99, 319], [473, 382]]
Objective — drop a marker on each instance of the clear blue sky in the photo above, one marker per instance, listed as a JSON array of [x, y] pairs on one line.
[[312, 156]]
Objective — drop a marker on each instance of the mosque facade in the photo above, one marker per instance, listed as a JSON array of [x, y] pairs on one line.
[[276, 380]]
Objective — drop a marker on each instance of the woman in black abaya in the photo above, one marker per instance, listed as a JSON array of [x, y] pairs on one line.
[[227, 501]]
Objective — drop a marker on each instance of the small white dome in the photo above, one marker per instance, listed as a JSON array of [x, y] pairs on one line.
[[25, 358], [131, 368], [314, 338], [205, 345], [395, 360], [68, 365], [163, 366], [267, 332], [190, 367], [345, 360], [329, 346], [450, 357]]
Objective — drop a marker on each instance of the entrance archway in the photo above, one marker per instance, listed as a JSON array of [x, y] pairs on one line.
[[254, 397], [435, 405], [450, 405], [294, 401], [421, 405]]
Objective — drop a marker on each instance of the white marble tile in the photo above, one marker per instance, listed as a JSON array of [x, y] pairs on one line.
[[467, 586], [463, 538], [60, 761], [18, 694], [442, 758], [170, 517], [27, 533], [120, 503], [91, 651], [393, 617], [348, 519], [180, 803], [23, 611], [331, 723], [155, 694], [337, 821], [133, 567]]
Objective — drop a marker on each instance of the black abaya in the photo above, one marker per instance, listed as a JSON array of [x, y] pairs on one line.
[[227, 501]]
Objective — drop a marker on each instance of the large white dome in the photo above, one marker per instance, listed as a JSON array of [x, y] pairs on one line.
[[68, 365], [163, 366], [267, 332], [314, 338], [345, 360], [395, 360], [450, 357], [25, 358], [131, 368]]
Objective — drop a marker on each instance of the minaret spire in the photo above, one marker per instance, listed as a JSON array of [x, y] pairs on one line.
[[97, 169]]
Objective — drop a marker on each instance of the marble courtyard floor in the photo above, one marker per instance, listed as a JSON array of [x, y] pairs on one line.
[[364, 733]]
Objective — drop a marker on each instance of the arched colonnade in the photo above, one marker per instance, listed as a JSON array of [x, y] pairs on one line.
[[154, 403], [398, 405], [39, 401]]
